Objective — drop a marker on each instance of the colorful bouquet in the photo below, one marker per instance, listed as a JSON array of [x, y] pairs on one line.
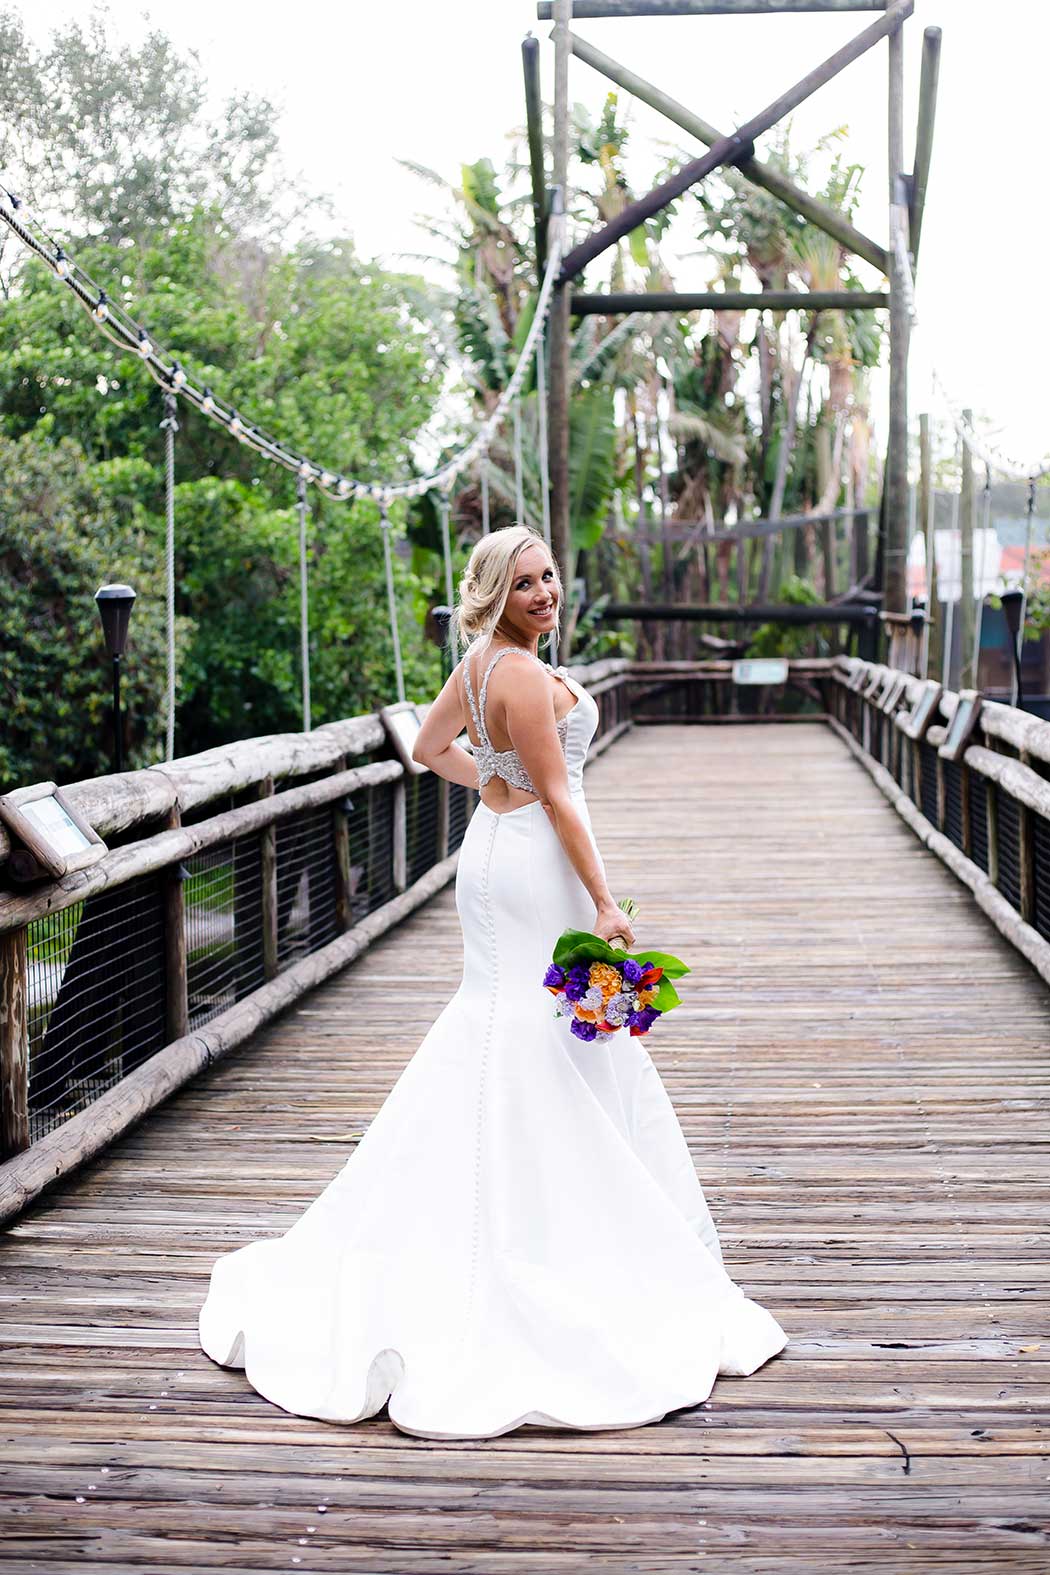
[[602, 990]]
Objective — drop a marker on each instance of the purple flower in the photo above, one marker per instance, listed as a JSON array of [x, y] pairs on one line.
[[554, 978], [583, 1030], [577, 983], [643, 1019], [631, 970]]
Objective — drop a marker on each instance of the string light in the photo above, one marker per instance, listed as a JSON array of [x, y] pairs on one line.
[[125, 334]]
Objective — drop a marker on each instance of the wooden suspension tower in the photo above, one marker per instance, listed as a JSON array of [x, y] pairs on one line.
[[906, 201]]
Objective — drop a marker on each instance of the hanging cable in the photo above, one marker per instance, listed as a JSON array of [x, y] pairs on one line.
[[169, 426], [541, 408], [444, 507], [391, 599], [304, 610], [126, 333]]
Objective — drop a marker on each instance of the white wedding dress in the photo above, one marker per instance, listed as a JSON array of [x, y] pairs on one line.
[[520, 1236]]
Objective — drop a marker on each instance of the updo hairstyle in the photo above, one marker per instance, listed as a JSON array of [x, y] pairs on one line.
[[486, 581]]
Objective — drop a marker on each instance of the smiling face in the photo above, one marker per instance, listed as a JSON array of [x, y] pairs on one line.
[[532, 602]]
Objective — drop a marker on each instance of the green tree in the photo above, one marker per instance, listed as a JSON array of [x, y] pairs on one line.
[[61, 536]]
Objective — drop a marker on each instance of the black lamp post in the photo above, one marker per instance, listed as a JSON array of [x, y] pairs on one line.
[[114, 604], [1013, 605], [443, 619]]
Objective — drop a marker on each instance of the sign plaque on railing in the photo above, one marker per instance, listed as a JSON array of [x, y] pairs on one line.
[[402, 723], [57, 836], [760, 670]]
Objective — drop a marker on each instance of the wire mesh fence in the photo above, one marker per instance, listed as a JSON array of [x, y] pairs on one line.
[[97, 1005], [111, 982], [422, 824], [370, 825], [222, 892], [307, 916]]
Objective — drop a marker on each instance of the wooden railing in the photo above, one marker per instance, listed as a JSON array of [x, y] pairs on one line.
[[985, 812], [238, 879], [233, 882]]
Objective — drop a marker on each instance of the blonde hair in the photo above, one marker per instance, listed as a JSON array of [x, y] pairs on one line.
[[486, 581]]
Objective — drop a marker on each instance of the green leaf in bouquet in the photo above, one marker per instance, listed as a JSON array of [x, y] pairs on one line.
[[672, 966], [575, 946], [666, 997]]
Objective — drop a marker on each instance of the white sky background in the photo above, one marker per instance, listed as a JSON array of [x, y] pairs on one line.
[[440, 81]]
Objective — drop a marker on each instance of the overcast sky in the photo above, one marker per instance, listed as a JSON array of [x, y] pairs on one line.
[[439, 81]]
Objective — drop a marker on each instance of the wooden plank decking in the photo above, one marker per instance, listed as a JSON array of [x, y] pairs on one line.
[[861, 1070]]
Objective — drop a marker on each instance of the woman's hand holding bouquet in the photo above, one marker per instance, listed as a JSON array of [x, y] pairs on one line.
[[602, 989]]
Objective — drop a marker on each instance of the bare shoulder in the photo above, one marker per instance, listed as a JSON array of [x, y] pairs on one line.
[[520, 679]]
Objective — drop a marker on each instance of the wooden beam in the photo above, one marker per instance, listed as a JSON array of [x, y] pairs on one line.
[[772, 180], [530, 60], [931, 64], [739, 146], [558, 329], [895, 571], [774, 612], [967, 522], [625, 8], [620, 303]]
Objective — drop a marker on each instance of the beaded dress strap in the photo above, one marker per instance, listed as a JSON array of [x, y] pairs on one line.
[[479, 729], [505, 650]]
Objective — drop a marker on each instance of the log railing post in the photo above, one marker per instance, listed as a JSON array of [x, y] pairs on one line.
[[176, 993], [400, 850], [14, 1043], [341, 847], [442, 826], [268, 859]]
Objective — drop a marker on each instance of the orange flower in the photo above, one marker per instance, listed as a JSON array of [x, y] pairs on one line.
[[606, 977], [646, 997], [587, 1015]]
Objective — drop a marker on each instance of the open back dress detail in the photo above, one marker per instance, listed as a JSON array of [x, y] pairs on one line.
[[520, 1238]]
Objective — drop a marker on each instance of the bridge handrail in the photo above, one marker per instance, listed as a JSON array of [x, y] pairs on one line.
[[986, 813]]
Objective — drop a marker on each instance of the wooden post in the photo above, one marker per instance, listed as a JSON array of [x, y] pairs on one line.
[[931, 60], [341, 840], [444, 786], [967, 521], [400, 836], [176, 982], [935, 618], [268, 852], [558, 395], [14, 1043], [894, 568], [530, 59]]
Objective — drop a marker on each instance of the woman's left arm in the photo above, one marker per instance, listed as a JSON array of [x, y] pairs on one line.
[[436, 745]]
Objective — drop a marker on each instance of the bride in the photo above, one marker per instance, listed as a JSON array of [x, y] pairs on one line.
[[520, 1236]]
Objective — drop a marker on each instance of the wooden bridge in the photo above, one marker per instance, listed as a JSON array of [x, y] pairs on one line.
[[860, 1069]]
